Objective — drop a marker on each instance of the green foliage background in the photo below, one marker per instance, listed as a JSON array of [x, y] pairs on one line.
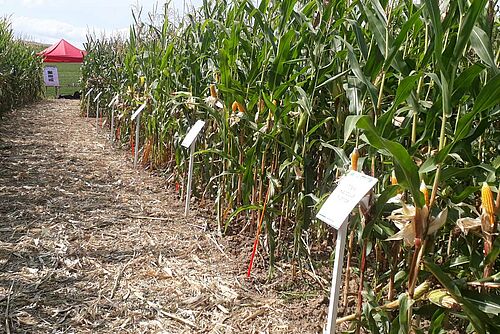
[[20, 71], [415, 86]]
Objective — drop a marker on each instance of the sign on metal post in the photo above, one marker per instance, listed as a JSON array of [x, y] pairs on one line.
[[112, 127], [87, 95], [192, 133], [96, 100], [51, 76], [335, 212], [190, 141], [137, 116]]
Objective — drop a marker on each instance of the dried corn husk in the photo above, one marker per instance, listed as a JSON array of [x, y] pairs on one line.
[[442, 298], [468, 224], [407, 231]]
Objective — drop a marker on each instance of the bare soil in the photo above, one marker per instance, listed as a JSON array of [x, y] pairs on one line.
[[90, 245]]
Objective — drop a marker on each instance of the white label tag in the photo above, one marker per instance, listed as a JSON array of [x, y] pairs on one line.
[[113, 101], [51, 76], [350, 191], [193, 133], [97, 97], [90, 91], [137, 112]]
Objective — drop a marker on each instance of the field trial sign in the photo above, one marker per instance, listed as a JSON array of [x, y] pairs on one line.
[[50, 76], [193, 133], [351, 189], [335, 212]]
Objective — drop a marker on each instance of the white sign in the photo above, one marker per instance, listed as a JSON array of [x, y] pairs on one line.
[[351, 189], [113, 101], [97, 97], [138, 111], [193, 133], [90, 91], [50, 76]]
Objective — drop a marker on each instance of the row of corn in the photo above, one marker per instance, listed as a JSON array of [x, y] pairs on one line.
[[289, 90], [20, 71]]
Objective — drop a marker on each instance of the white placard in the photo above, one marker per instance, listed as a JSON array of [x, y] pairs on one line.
[[138, 111], [335, 212], [193, 133], [89, 91], [351, 189], [51, 76], [113, 101], [97, 97]]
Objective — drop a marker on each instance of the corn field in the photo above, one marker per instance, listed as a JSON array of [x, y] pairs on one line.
[[20, 71], [297, 93]]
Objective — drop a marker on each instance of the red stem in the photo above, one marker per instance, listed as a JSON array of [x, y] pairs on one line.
[[259, 227]]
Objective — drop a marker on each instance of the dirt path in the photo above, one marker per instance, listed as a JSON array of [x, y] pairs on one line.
[[78, 253]]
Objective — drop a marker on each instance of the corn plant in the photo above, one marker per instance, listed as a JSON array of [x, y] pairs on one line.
[[289, 90], [20, 71]]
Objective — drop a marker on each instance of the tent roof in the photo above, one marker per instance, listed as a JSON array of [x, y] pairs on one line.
[[62, 52]]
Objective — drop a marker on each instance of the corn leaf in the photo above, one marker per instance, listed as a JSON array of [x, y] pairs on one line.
[[399, 154]]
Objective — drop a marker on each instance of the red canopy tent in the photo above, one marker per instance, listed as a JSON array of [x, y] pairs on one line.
[[62, 52]]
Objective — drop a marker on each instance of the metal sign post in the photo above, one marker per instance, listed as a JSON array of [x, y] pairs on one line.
[[335, 212], [51, 78], [336, 278], [87, 95], [112, 127], [137, 116], [190, 177], [190, 141], [96, 99]]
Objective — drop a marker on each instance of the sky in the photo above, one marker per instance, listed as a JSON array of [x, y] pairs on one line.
[[47, 21]]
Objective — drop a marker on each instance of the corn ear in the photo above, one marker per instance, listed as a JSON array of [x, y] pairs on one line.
[[487, 203], [425, 191], [354, 159], [488, 224], [442, 298], [394, 180], [213, 91], [237, 106]]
